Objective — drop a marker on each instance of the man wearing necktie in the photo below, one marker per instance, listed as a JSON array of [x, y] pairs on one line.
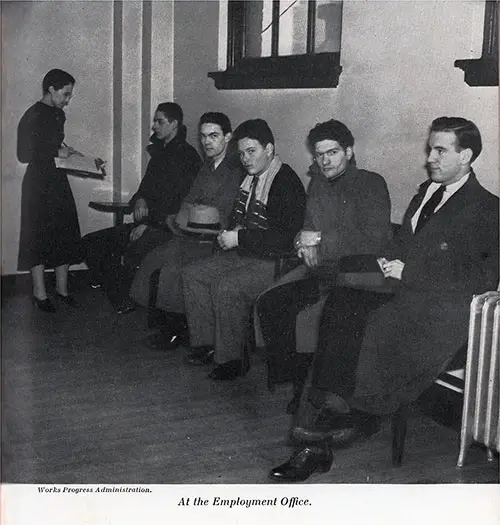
[[447, 250]]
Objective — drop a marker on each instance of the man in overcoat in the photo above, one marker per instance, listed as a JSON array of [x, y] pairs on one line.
[[348, 212], [447, 251]]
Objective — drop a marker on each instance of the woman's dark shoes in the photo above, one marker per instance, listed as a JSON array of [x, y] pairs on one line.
[[303, 463], [68, 300], [201, 355], [46, 305], [340, 429], [228, 371]]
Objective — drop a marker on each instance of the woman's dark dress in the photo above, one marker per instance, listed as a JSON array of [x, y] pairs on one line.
[[50, 234]]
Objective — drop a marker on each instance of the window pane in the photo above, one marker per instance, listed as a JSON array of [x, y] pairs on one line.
[[293, 27], [328, 26], [258, 16]]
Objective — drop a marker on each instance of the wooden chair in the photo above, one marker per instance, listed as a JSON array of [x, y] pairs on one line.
[[479, 384], [449, 379]]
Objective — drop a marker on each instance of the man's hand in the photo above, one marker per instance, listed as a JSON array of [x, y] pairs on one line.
[[228, 239], [137, 232], [140, 210], [307, 238], [392, 269], [310, 254]]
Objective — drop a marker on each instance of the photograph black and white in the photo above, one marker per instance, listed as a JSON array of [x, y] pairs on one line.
[[250, 244]]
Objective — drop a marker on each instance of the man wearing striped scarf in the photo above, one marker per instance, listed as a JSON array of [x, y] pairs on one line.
[[219, 292]]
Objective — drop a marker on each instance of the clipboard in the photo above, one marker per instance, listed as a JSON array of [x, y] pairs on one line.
[[82, 166]]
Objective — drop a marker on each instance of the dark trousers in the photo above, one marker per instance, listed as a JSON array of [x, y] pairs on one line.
[[277, 310], [342, 327], [113, 259]]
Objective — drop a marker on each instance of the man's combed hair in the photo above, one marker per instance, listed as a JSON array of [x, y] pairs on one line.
[[215, 117], [256, 129], [57, 78], [330, 130], [466, 131], [172, 111]]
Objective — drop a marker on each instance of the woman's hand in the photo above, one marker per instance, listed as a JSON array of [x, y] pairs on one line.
[[67, 151], [228, 239], [63, 152], [73, 151], [140, 210], [137, 232]]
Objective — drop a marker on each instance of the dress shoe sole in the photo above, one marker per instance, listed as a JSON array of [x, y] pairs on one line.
[[320, 469], [338, 437], [300, 469]]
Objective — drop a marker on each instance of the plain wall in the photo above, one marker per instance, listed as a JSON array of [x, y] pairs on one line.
[[398, 75], [79, 36]]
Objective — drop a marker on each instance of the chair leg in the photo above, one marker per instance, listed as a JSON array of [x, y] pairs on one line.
[[153, 312], [399, 423]]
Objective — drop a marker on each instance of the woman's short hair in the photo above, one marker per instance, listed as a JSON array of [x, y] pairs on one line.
[[214, 117], [330, 130], [57, 78], [172, 111], [256, 129], [466, 131]]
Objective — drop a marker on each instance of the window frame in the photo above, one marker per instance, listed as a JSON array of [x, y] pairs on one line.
[[309, 70], [484, 71]]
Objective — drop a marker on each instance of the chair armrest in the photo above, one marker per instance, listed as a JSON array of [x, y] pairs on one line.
[[284, 263]]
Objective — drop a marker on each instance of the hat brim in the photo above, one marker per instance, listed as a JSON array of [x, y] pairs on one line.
[[186, 231]]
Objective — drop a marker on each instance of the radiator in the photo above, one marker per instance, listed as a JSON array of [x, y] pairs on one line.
[[480, 416]]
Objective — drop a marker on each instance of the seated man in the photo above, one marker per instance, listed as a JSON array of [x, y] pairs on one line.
[[446, 251], [170, 172], [216, 185], [348, 212], [219, 292]]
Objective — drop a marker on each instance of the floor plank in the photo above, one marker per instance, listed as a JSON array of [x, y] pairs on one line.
[[85, 401]]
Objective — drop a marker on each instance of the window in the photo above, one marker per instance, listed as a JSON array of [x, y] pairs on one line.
[[484, 71], [282, 44]]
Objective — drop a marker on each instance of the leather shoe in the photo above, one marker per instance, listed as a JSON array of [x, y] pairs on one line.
[[125, 307], [303, 463], [46, 305], [68, 300], [228, 371], [201, 355], [340, 429]]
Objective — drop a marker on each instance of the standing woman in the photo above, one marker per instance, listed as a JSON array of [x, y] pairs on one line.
[[50, 234]]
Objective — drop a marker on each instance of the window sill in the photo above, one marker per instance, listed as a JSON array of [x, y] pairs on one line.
[[321, 70], [479, 71]]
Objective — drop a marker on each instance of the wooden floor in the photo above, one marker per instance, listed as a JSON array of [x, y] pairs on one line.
[[85, 401]]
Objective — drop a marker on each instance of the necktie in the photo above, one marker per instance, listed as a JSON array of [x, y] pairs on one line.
[[253, 190], [429, 208]]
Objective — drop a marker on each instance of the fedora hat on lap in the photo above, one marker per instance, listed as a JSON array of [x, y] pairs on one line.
[[197, 220]]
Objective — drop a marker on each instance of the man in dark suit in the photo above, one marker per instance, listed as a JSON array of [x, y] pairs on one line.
[[446, 251]]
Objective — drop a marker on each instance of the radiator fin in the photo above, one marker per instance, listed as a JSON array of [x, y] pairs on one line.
[[480, 417]]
